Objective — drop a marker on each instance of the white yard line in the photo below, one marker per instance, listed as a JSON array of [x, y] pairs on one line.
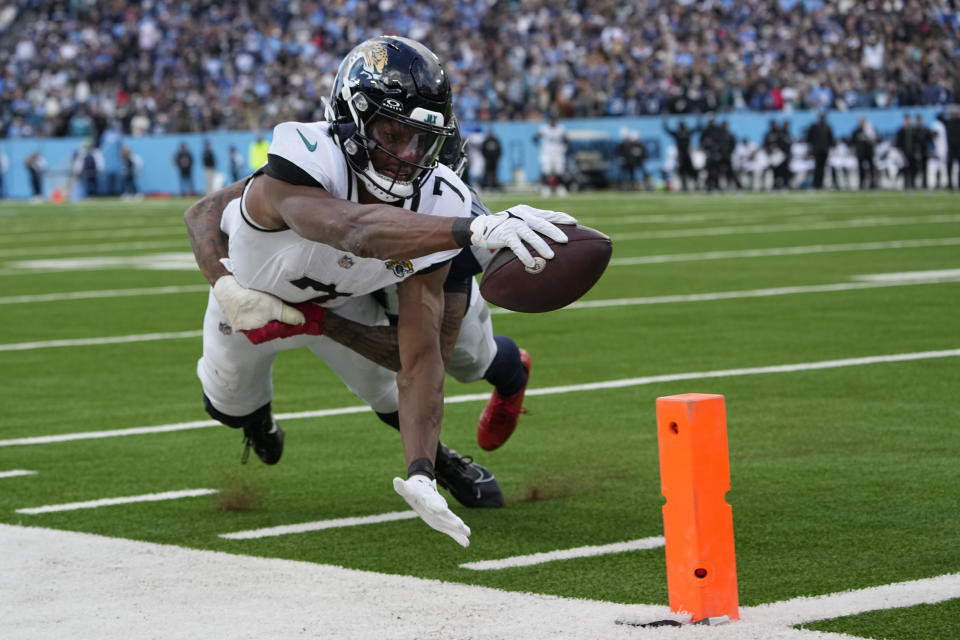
[[86, 342], [476, 397], [88, 248], [109, 502], [933, 277], [319, 525], [750, 293], [68, 584], [653, 542], [14, 473], [855, 223], [848, 603], [786, 251], [106, 293]]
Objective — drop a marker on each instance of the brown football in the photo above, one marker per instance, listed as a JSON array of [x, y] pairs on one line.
[[574, 269]]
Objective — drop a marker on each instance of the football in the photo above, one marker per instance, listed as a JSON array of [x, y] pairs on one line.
[[552, 284]]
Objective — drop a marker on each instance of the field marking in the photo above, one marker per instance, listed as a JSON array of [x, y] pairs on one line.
[[87, 248], [182, 592], [474, 397], [652, 542], [854, 223], [107, 502], [910, 276], [785, 251], [106, 293], [99, 234], [86, 342], [185, 260], [14, 473], [319, 525], [750, 293], [846, 603], [937, 277], [166, 261]]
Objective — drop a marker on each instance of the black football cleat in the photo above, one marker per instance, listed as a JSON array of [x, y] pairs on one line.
[[266, 439], [470, 483]]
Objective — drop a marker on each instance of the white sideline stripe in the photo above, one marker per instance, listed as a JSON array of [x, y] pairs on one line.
[[108, 293], [565, 554], [13, 473], [545, 391], [86, 342], [847, 603], [780, 228], [785, 251], [107, 502], [319, 525], [751, 293], [589, 304]]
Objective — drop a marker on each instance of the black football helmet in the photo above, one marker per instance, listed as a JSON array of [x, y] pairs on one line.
[[453, 153], [392, 106]]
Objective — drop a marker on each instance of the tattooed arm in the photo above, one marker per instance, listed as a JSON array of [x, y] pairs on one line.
[[209, 243], [379, 343]]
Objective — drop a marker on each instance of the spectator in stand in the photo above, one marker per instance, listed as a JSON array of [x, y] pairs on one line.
[[491, 152], [553, 140], [36, 165], [257, 153], [4, 165], [91, 166], [681, 137], [209, 160], [907, 144], [819, 142], [237, 164], [864, 139], [952, 124], [633, 157], [132, 164], [183, 160], [924, 140]]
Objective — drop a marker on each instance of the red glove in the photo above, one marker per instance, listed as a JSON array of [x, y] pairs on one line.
[[313, 325]]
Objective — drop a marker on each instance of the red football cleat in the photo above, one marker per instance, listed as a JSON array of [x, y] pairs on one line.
[[500, 416]]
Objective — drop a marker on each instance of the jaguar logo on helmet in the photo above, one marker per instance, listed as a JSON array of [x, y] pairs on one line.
[[390, 103], [374, 57]]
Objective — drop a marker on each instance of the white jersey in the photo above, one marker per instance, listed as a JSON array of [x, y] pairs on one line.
[[552, 140], [296, 269]]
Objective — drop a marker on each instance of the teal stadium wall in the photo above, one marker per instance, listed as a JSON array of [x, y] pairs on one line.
[[159, 176]]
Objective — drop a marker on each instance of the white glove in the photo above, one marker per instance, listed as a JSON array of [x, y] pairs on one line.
[[519, 224], [420, 492], [249, 308]]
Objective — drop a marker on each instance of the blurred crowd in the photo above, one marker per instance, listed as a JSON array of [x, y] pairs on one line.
[[69, 68], [918, 155]]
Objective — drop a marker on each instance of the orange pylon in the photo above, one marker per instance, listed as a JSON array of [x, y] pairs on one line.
[[697, 521]]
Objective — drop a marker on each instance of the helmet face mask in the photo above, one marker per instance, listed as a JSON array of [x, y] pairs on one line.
[[393, 105]]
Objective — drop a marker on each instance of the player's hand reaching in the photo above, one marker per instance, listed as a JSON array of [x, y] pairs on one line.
[[250, 309], [518, 225], [420, 492], [312, 325]]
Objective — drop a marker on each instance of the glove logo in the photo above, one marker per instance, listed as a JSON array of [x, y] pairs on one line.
[[225, 329], [345, 262], [539, 264]]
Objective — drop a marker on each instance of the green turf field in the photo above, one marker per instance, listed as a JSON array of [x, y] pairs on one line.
[[845, 473]]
